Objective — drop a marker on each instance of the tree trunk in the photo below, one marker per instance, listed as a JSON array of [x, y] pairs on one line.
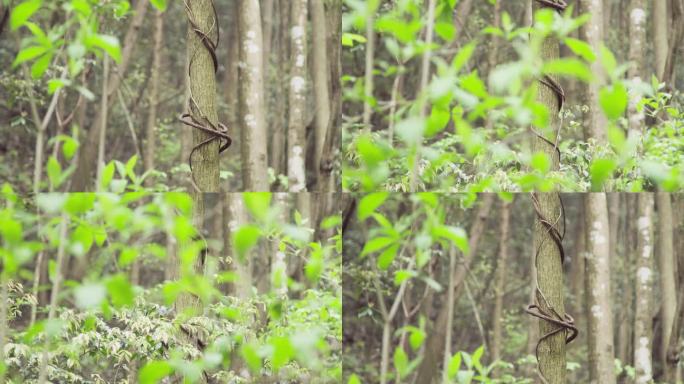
[[150, 144], [666, 265], [251, 94], [278, 133], [644, 289], [592, 31], [243, 268], [499, 286], [369, 66], [296, 135], [278, 258], [321, 82], [434, 346], [103, 126], [660, 26], [597, 278], [87, 156], [637, 37], [202, 101]]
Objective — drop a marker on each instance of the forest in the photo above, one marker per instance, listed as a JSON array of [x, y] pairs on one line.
[[458, 96], [451, 289], [341, 191]]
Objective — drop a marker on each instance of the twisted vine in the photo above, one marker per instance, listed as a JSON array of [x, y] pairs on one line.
[[541, 308], [197, 119]]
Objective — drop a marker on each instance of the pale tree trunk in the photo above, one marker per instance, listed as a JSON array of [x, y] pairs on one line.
[[462, 12], [450, 309], [500, 284], [251, 94], [637, 37], [103, 126], [434, 345], [243, 268], [577, 263], [150, 144], [87, 156], [644, 290], [230, 86], [660, 32], [369, 66], [596, 127], [597, 290], [667, 267], [320, 80], [296, 136], [494, 49]]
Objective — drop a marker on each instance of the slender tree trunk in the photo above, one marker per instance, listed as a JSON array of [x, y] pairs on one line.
[[243, 268], [660, 32], [450, 310], [278, 257], [150, 144], [87, 156], [644, 279], [231, 82], [596, 127], [637, 38], [251, 94], [434, 345], [54, 296], [500, 284], [462, 13], [296, 160], [321, 82], [369, 66], [279, 130], [597, 278], [577, 262], [666, 265], [103, 127]]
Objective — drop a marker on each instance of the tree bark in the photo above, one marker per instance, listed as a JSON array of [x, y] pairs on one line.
[[598, 293], [644, 289], [251, 94], [87, 156], [667, 267], [296, 136], [243, 268], [103, 126], [660, 43], [369, 66], [321, 82], [637, 37], [597, 124], [500, 284], [150, 144]]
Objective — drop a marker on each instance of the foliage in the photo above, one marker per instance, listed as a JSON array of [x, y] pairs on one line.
[[106, 328], [476, 132]]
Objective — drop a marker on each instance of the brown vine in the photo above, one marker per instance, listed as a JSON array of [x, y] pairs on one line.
[[197, 119], [541, 308]]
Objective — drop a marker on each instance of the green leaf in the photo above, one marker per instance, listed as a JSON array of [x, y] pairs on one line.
[[614, 100], [581, 48], [400, 361], [416, 339], [353, 379], [283, 351], [154, 371], [463, 56], [244, 239], [258, 203], [402, 275], [109, 44], [54, 171], [251, 357], [22, 12], [568, 67], [120, 291], [541, 162], [376, 244], [601, 170], [28, 53], [69, 147], [107, 175], [370, 203], [387, 257], [348, 39], [608, 60], [41, 65], [130, 167], [454, 365], [159, 4]]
